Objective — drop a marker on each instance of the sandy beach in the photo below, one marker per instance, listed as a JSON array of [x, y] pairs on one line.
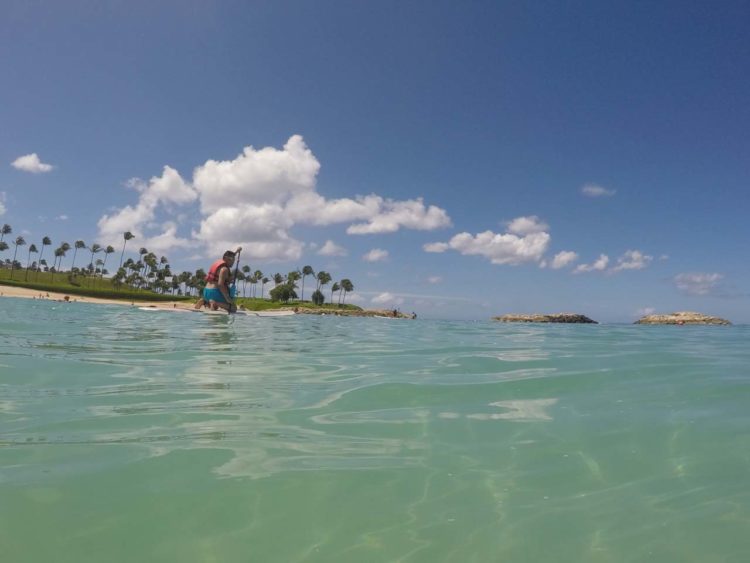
[[25, 293]]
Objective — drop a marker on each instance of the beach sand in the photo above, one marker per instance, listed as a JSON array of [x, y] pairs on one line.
[[25, 293]]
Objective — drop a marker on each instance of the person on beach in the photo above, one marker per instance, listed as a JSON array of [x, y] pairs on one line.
[[217, 292]]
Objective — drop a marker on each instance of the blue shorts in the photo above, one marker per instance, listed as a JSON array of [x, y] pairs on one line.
[[213, 294]]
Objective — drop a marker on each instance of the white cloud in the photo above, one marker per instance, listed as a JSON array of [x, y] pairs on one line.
[[528, 244], [2, 203], [330, 248], [697, 283], [31, 163], [594, 190], [167, 240], [260, 176], [632, 260], [562, 259], [437, 247], [410, 214], [642, 312], [62, 217], [354, 297], [257, 198], [527, 225], [262, 229], [598, 266], [167, 189], [376, 255], [434, 279], [286, 180], [387, 298]]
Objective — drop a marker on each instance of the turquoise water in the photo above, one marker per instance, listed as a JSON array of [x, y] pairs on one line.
[[136, 436]]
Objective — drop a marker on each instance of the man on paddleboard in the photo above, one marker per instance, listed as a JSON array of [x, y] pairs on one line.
[[218, 291]]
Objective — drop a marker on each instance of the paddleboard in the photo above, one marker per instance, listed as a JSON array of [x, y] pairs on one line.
[[163, 310], [221, 312]]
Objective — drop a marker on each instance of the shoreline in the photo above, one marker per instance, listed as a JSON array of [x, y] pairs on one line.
[[26, 293]]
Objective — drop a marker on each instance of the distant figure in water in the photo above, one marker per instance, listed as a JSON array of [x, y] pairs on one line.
[[217, 291]]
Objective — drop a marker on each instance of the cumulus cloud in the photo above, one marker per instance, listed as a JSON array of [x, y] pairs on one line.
[[562, 259], [387, 298], [166, 240], [437, 247], [527, 243], [286, 180], [434, 279], [264, 176], [376, 255], [2, 203], [330, 248], [31, 163], [62, 217], [527, 225], [632, 260], [697, 283], [167, 189], [599, 265], [594, 190], [410, 214], [262, 229], [258, 197]]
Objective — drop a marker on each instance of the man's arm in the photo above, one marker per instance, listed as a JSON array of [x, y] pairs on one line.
[[223, 277]]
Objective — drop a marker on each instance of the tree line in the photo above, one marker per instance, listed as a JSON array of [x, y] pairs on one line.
[[149, 272]]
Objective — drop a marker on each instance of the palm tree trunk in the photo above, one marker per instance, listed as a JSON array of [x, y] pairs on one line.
[[40, 263], [122, 253], [28, 259], [13, 264]]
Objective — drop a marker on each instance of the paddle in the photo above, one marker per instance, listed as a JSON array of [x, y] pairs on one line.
[[233, 287]]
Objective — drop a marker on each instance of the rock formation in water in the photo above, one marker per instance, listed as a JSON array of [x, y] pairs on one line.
[[555, 318], [681, 318]]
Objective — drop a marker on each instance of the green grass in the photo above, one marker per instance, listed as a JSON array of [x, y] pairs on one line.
[[80, 285], [255, 304], [94, 287]]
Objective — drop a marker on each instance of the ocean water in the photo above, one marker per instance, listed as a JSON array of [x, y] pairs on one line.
[[156, 436]]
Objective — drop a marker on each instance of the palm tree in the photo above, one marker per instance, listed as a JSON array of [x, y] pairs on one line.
[[78, 244], [64, 247], [59, 253], [46, 241], [323, 279], [334, 288], [3, 246], [245, 277], [18, 242], [107, 251], [33, 249], [347, 286], [258, 275], [306, 271], [95, 248], [278, 278], [127, 235], [263, 283], [6, 230]]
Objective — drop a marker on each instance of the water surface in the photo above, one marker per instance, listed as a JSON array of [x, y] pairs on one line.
[[156, 436]]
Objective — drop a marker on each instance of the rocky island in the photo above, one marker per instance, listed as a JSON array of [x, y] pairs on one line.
[[681, 318], [537, 318]]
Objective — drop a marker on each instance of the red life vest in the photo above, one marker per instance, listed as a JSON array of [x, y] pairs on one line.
[[213, 273]]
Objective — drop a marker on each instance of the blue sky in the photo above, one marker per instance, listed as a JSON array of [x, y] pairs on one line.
[[397, 127]]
